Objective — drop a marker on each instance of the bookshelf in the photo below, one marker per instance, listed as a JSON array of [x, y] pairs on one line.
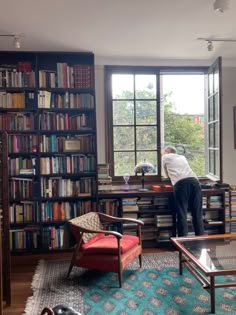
[[5, 265], [232, 209], [156, 209], [47, 107], [151, 207]]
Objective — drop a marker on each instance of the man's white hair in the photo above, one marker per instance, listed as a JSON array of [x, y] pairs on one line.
[[170, 148]]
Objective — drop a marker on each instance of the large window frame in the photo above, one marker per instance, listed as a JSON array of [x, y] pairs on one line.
[[110, 70]]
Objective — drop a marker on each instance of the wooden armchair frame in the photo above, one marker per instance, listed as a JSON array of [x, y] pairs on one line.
[[110, 262]]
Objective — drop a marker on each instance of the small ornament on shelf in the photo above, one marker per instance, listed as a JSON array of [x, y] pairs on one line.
[[126, 177]]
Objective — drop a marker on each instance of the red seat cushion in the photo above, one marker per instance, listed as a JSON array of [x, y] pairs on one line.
[[108, 244]]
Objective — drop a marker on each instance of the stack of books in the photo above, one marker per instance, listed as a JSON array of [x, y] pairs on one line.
[[104, 179]]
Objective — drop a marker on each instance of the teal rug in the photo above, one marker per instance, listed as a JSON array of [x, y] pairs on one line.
[[156, 289], [153, 292]]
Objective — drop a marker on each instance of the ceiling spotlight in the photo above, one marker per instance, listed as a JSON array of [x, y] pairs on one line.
[[221, 5], [210, 45], [16, 39], [210, 41], [16, 42]]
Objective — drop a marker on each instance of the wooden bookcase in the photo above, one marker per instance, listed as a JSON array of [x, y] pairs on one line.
[[156, 209], [47, 107], [5, 264]]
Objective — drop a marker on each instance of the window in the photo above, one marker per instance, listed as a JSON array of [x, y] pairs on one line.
[[134, 121], [151, 107]]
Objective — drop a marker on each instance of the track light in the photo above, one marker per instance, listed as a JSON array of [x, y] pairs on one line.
[[210, 41], [221, 5], [16, 39], [16, 42], [210, 45]]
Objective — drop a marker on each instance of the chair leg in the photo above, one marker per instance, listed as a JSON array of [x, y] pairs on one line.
[[70, 268], [120, 278], [140, 260]]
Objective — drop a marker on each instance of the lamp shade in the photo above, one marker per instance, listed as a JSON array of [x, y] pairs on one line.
[[143, 168]]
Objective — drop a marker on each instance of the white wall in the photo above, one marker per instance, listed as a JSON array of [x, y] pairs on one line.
[[228, 101]]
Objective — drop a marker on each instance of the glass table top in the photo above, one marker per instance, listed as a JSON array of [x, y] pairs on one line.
[[213, 253]]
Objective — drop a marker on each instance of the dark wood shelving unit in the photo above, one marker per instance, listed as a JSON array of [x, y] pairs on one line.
[[215, 208], [5, 274], [51, 125]]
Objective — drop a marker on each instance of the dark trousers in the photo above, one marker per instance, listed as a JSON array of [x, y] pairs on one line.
[[188, 197]]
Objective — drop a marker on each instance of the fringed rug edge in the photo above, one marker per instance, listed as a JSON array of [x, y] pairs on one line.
[[38, 273]]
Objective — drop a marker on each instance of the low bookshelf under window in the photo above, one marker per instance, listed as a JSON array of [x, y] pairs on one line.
[[156, 210]]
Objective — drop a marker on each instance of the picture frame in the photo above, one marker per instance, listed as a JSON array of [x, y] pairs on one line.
[[72, 145]]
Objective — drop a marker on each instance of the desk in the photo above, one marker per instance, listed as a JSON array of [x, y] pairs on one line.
[[207, 257]]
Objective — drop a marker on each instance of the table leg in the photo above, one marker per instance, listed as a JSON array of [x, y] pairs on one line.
[[180, 263], [212, 292]]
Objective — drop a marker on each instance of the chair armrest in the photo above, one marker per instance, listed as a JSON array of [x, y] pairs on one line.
[[108, 218], [107, 232]]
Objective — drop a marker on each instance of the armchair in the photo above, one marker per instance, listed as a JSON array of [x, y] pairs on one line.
[[101, 249]]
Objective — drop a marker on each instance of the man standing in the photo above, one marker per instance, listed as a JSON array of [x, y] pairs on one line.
[[187, 191]]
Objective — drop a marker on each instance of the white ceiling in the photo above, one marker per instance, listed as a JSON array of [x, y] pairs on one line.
[[124, 29]]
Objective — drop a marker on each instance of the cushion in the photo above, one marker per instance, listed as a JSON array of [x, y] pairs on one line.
[[108, 244], [89, 220]]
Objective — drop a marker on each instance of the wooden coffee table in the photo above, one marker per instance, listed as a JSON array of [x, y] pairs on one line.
[[207, 257]]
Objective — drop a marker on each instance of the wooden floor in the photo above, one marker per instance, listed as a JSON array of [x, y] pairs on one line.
[[21, 275]]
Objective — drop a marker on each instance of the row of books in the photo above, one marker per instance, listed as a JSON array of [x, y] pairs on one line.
[[78, 76], [63, 121], [33, 212], [68, 100], [12, 100], [21, 188], [16, 79], [17, 121], [22, 239], [53, 211], [67, 164], [59, 143], [16, 165], [19, 143], [29, 238], [26, 143], [46, 99], [109, 206], [61, 187]]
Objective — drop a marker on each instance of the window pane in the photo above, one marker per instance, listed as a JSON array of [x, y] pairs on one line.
[[211, 136], [123, 138], [124, 163], [216, 80], [123, 113], [216, 101], [150, 157], [145, 86], [211, 109], [146, 138], [211, 162], [217, 163], [217, 135], [146, 113], [182, 109], [122, 86], [210, 83]]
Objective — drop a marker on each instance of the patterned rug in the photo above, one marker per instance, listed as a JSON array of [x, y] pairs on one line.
[[156, 289]]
